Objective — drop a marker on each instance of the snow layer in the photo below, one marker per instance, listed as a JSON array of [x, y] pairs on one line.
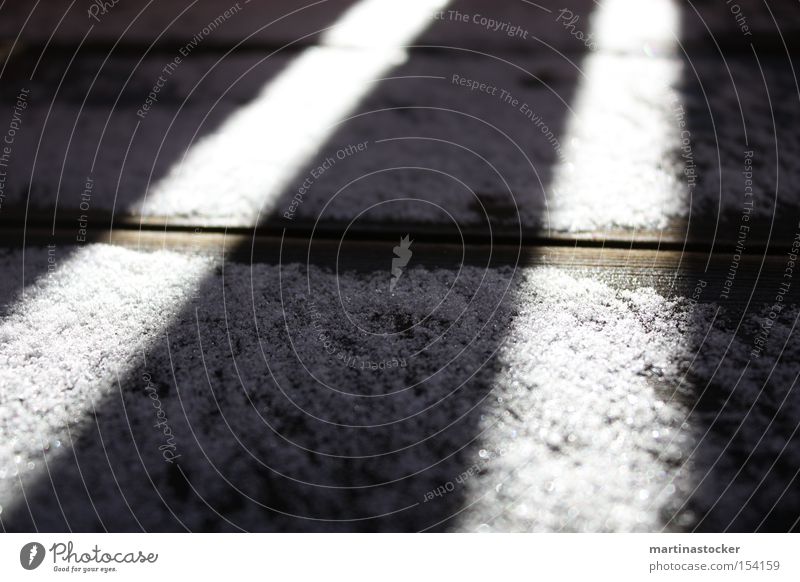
[[537, 22], [295, 399], [606, 141]]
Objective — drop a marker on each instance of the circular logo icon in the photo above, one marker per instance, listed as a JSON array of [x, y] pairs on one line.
[[31, 555]]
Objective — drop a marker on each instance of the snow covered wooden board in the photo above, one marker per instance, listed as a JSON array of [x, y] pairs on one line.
[[581, 391], [518, 25], [534, 281], [624, 147]]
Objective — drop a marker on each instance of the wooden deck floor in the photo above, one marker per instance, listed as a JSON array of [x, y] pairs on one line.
[[667, 183]]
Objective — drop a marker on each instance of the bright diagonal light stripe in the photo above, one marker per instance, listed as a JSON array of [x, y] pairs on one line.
[[620, 165], [624, 25], [115, 303], [600, 444], [243, 167], [385, 24], [65, 343]]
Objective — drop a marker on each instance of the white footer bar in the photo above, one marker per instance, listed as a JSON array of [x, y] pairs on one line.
[[389, 557]]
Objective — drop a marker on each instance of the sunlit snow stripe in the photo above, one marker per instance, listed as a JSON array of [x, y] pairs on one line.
[[619, 164], [62, 347], [594, 446], [112, 302], [246, 163]]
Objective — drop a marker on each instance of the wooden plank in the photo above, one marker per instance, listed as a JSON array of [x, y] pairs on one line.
[[676, 237], [749, 279], [608, 202]]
